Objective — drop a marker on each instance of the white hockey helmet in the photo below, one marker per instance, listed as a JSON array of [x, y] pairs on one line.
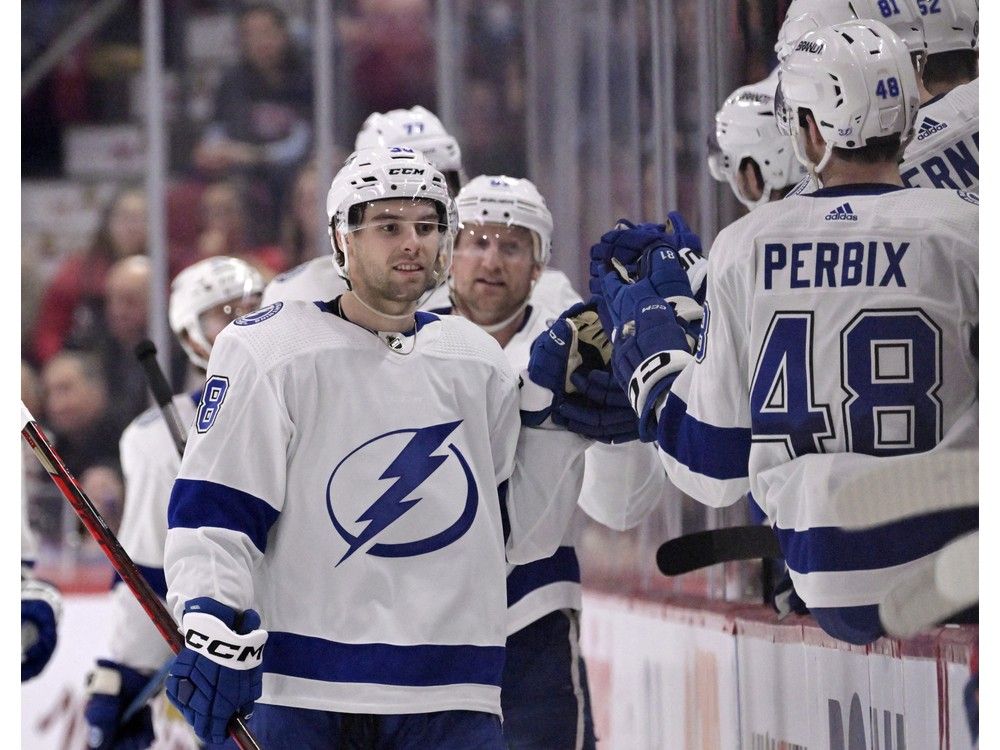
[[902, 16], [950, 24], [420, 129], [498, 199], [745, 128], [204, 285], [857, 80], [374, 174]]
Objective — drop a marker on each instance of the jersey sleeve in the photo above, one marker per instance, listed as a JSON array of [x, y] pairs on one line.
[[543, 491], [149, 467], [622, 483], [703, 424], [231, 485]]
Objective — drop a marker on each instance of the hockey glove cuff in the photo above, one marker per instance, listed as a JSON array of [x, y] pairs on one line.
[[219, 671], [41, 607], [110, 689]]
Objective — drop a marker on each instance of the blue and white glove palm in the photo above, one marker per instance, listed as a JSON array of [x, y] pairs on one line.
[[218, 673], [110, 689], [41, 606], [650, 342], [572, 360]]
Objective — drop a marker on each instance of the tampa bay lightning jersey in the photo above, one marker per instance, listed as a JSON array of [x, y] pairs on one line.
[[351, 488], [840, 327], [150, 464], [618, 481], [318, 279], [944, 153]]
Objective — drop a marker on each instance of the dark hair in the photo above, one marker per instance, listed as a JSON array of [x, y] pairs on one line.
[[951, 68], [100, 245]]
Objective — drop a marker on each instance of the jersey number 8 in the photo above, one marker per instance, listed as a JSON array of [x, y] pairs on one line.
[[211, 401]]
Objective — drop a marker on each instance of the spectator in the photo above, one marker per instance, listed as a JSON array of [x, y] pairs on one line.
[[261, 125], [300, 227], [389, 46], [226, 230], [73, 300], [31, 390], [76, 397]]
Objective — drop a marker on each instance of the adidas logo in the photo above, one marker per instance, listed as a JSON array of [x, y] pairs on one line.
[[929, 127], [842, 213]]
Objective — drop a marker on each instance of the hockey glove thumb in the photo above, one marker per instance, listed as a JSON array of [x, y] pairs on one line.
[[41, 606], [110, 689], [218, 672]]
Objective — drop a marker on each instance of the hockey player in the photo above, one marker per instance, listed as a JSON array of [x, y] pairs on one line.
[[503, 245], [204, 298], [420, 129], [754, 157], [943, 38], [840, 328], [945, 151], [347, 479]]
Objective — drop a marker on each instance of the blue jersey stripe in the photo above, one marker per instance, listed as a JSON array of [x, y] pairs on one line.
[[313, 658], [714, 452], [832, 549], [195, 503], [522, 580], [155, 577]]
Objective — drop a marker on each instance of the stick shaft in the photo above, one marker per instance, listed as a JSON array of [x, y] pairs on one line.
[[145, 352], [119, 558]]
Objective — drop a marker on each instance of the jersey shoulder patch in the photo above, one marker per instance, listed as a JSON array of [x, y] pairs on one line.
[[259, 316], [968, 197]]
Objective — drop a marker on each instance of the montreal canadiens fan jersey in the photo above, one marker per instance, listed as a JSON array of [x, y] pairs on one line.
[[839, 323], [149, 467], [622, 483], [350, 488], [317, 279], [944, 153]]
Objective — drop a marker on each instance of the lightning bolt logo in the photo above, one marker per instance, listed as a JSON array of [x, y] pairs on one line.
[[411, 468]]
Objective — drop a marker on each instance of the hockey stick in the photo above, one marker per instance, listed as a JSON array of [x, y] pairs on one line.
[[909, 486], [98, 528], [704, 548], [145, 352]]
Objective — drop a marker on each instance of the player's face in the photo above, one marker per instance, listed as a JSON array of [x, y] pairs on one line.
[[392, 253], [214, 319], [492, 271]]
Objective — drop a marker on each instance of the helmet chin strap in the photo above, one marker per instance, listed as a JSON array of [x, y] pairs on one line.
[[800, 153]]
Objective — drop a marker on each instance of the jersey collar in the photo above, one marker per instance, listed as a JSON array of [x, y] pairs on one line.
[[863, 188]]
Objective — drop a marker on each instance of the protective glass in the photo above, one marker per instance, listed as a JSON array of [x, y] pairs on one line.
[[512, 243], [214, 319], [393, 222]]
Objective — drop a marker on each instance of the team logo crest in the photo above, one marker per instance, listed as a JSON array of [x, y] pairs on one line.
[[259, 316], [409, 491]]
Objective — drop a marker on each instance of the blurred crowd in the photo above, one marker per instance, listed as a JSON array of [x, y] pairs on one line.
[[243, 179]]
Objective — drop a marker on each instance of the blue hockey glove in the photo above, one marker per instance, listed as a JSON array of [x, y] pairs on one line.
[[598, 409], [575, 342], [41, 606], [650, 345], [110, 689], [218, 672]]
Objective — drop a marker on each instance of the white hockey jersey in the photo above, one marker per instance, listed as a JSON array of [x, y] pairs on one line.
[[620, 484], [945, 151], [317, 279], [837, 323], [149, 467], [353, 493]]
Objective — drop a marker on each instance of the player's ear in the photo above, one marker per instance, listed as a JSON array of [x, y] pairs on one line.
[[536, 271], [816, 138]]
